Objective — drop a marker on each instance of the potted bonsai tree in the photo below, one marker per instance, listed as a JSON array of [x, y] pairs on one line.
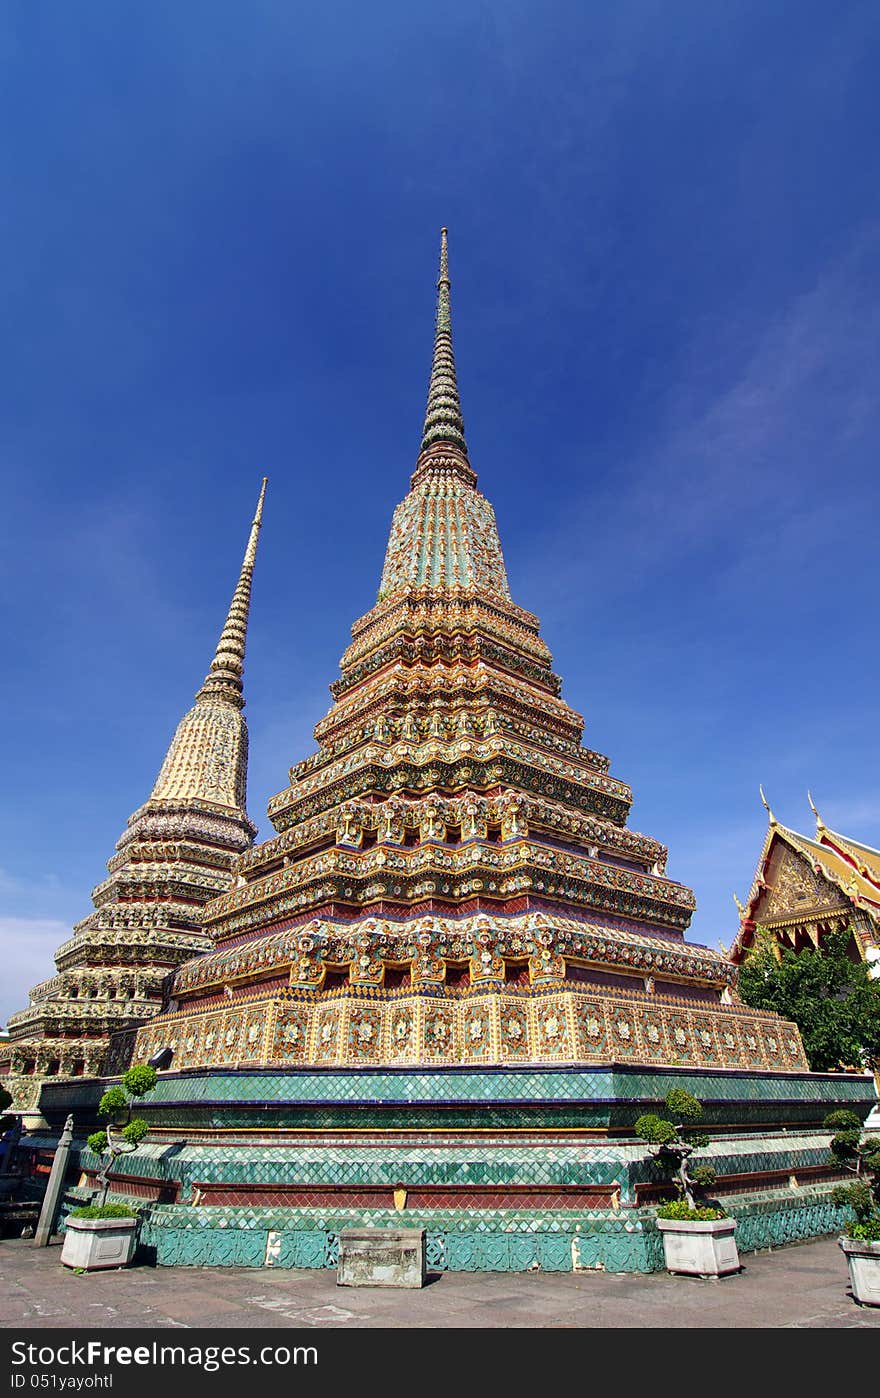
[[861, 1237], [698, 1238], [103, 1235]]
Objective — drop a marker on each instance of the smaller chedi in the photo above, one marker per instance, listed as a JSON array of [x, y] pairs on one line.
[[177, 851]]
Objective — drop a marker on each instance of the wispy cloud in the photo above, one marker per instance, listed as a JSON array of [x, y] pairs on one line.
[[762, 459], [28, 945]]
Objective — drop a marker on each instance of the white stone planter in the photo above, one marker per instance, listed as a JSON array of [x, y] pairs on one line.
[[863, 1260], [92, 1243], [700, 1249]]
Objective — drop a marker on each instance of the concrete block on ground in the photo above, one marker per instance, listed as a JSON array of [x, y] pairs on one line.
[[381, 1257]]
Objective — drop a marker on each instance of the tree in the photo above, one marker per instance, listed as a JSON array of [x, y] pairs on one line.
[[116, 1105], [861, 1155], [832, 1000], [673, 1140]]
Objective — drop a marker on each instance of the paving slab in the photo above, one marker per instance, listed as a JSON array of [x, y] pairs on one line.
[[802, 1286]]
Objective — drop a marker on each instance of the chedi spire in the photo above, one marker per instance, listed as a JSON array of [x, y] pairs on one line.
[[224, 679], [443, 419], [207, 759]]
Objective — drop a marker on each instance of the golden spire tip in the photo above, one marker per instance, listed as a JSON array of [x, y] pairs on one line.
[[258, 516], [766, 805]]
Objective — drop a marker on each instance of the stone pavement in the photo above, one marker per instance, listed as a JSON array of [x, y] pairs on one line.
[[803, 1286]]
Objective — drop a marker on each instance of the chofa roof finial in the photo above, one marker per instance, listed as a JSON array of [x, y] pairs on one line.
[[766, 805], [820, 824]]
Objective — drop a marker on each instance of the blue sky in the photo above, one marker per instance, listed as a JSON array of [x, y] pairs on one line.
[[218, 246]]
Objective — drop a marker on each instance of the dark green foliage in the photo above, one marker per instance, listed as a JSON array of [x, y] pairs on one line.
[[845, 1145], [850, 1148], [140, 1080], [680, 1209], [842, 1120], [857, 1196], [867, 1232], [97, 1142], [103, 1211], [831, 998], [654, 1129], [5, 1099], [862, 1156], [116, 1102], [672, 1144], [137, 1082], [113, 1103], [682, 1105]]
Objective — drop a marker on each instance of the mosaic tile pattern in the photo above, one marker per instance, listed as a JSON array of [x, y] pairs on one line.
[[473, 1166], [480, 1241], [549, 1025], [570, 1083]]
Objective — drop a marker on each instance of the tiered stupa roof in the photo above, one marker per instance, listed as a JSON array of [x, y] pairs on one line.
[[176, 852], [452, 879]]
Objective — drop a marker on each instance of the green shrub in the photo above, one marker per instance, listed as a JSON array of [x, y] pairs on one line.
[[113, 1102], [140, 1080], [654, 1129], [116, 1104], [861, 1155], [672, 1144], [843, 1120], [857, 1196], [867, 1232], [683, 1104], [103, 1211], [680, 1210]]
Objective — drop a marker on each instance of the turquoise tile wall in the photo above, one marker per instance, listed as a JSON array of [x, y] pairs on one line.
[[602, 1163], [365, 1087], [481, 1240]]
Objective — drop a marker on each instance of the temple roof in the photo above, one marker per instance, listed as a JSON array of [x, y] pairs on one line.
[[839, 870], [852, 870], [863, 859]]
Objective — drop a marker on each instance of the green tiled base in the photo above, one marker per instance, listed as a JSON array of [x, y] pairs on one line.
[[479, 1241], [473, 1165], [232, 1130], [566, 1097]]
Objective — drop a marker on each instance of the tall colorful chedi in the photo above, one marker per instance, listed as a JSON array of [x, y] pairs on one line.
[[452, 879], [446, 987], [176, 852]]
